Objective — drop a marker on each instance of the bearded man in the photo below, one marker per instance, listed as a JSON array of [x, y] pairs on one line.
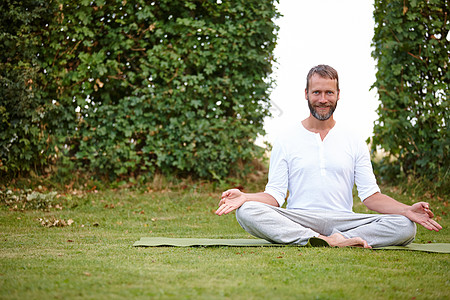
[[318, 162]]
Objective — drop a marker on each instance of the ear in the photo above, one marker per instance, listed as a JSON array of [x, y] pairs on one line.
[[339, 94], [306, 94]]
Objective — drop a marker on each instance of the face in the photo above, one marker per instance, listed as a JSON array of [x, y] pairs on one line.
[[322, 97]]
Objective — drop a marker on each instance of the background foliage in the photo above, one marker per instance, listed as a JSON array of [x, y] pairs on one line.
[[412, 56], [125, 87]]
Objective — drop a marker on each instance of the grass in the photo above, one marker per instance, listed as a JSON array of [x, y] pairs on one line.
[[94, 258]]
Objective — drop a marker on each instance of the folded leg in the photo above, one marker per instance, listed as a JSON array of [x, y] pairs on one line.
[[379, 230], [275, 224], [292, 226]]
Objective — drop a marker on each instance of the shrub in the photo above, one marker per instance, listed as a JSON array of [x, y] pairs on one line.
[[131, 87], [412, 54]]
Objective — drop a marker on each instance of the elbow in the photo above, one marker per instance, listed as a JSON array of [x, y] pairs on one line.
[[369, 201]]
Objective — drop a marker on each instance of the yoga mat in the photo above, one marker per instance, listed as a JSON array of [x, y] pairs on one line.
[[313, 242]]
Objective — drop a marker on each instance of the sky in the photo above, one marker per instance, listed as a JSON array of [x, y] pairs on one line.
[[336, 33]]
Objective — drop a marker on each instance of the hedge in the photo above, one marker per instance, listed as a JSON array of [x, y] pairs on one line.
[[412, 56], [119, 88]]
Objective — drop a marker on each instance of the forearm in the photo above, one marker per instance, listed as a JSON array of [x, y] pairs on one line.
[[386, 205], [419, 212], [261, 197]]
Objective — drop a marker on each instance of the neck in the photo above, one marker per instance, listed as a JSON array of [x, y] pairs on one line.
[[318, 126]]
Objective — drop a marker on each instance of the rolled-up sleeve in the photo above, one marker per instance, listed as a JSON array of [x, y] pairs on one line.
[[364, 178], [278, 174]]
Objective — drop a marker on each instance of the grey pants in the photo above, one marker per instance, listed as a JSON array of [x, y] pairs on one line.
[[295, 226]]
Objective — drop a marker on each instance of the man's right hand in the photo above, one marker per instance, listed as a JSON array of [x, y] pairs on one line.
[[231, 200]]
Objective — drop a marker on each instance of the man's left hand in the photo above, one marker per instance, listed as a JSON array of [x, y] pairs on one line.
[[421, 214]]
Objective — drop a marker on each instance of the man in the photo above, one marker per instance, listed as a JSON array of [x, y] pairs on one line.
[[318, 162]]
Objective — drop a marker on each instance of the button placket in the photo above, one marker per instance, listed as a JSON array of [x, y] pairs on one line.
[[322, 163]]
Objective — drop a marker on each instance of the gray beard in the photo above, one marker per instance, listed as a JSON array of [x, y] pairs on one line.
[[318, 116]]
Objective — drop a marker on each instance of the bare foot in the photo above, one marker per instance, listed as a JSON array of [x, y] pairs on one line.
[[338, 240]]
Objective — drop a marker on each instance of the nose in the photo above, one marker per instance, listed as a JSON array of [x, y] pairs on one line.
[[322, 98]]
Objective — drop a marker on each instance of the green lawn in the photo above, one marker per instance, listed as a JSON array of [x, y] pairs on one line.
[[94, 258]]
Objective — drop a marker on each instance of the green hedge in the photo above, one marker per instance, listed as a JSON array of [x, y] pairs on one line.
[[412, 56], [126, 87]]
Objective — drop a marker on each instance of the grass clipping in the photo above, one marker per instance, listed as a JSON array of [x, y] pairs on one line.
[[55, 222]]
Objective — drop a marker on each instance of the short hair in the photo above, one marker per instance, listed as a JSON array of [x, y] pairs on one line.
[[324, 71]]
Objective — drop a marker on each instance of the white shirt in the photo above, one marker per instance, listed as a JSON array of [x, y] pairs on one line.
[[320, 174]]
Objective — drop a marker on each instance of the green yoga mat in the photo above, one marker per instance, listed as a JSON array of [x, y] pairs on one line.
[[313, 242]]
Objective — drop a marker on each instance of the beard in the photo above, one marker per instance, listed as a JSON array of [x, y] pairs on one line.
[[322, 117]]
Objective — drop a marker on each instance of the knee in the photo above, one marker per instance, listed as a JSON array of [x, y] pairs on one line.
[[249, 211], [245, 210], [407, 230]]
